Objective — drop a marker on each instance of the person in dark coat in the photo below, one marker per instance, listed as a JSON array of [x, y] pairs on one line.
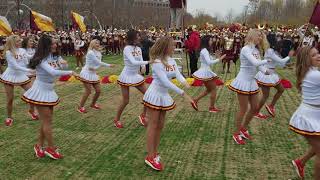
[[146, 44]]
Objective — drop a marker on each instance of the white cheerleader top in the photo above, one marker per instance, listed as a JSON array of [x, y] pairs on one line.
[[310, 87], [93, 60], [133, 60], [162, 75], [275, 59], [206, 59], [249, 59], [48, 69], [17, 62]]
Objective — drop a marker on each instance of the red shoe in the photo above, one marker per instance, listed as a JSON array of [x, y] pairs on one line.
[[53, 153], [8, 122], [38, 151], [261, 116], [154, 162], [271, 110], [245, 134], [142, 120], [95, 106], [118, 124], [238, 139], [194, 104], [82, 110], [33, 115], [298, 167], [214, 110]]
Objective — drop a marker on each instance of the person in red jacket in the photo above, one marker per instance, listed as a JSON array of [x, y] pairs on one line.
[[176, 11], [192, 44]]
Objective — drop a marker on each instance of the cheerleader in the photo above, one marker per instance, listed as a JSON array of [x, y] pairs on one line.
[[157, 99], [305, 121], [78, 44], [42, 93], [272, 80], [28, 46], [130, 76], [89, 77], [246, 86], [205, 73], [15, 75]]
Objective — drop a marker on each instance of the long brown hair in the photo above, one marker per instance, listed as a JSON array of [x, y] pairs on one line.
[[303, 65], [160, 50]]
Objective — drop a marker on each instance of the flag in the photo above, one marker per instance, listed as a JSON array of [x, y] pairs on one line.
[[315, 18], [78, 21], [5, 28], [41, 22]]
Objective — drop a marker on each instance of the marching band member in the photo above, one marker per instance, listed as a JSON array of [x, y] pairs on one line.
[[78, 44], [89, 77], [42, 93], [15, 75]]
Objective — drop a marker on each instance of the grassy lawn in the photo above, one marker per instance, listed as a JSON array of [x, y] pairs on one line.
[[194, 145]]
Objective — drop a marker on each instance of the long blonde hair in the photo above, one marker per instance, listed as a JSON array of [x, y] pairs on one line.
[[92, 44], [160, 50], [11, 45], [303, 65], [264, 45], [252, 35]]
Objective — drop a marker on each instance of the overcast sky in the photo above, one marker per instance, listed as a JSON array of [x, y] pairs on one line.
[[216, 6]]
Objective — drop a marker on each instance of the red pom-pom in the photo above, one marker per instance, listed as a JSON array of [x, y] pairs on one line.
[[286, 83], [218, 82], [64, 78], [197, 83], [105, 80], [149, 80]]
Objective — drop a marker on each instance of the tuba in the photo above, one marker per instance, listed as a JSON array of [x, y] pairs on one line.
[[152, 29]]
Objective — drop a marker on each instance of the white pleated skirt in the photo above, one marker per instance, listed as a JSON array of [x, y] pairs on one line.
[[14, 77], [306, 121], [245, 83], [271, 80], [41, 93], [87, 76], [204, 74], [158, 98], [128, 78]]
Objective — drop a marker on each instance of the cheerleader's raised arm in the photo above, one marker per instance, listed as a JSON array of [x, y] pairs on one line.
[[53, 72], [128, 55], [12, 63], [207, 58]]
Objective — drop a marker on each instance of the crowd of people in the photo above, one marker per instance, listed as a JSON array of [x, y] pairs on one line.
[[35, 60]]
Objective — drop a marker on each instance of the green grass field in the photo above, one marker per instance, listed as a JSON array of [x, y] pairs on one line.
[[194, 145]]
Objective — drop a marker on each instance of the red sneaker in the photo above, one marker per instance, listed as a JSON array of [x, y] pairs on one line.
[[271, 110], [82, 110], [53, 153], [238, 139], [8, 122], [38, 151], [214, 110], [118, 124], [194, 104], [245, 134], [95, 106], [154, 162], [298, 167], [142, 120], [261, 116], [33, 115]]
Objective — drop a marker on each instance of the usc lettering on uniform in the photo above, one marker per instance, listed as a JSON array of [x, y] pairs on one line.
[[171, 68]]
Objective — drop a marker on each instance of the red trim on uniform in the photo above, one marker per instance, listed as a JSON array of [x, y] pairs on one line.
[[15, 84], [128, 84], [268, 84], [202, 79], [40, 103], [303, 132], [86, 81], [167, 108], [243, 92]]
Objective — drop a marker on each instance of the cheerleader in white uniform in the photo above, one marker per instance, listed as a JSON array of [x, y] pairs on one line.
[[130, 76], [305, 121], [205, 73], [271, 80], [28, 46], [89, 77], [157, 99], [42, 93], [15, 75], [246, 86]]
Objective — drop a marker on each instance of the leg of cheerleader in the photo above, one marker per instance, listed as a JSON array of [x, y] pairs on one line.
[[314, 141], [280, 91], [204, 93], [46, 114], [253, 101], [265, 95], [86, 94], [159, 129], [142, 117], [123, 104], [243, 107], [213, 90], [152, 133], [9, 89], [96, 96], [31, 112]]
